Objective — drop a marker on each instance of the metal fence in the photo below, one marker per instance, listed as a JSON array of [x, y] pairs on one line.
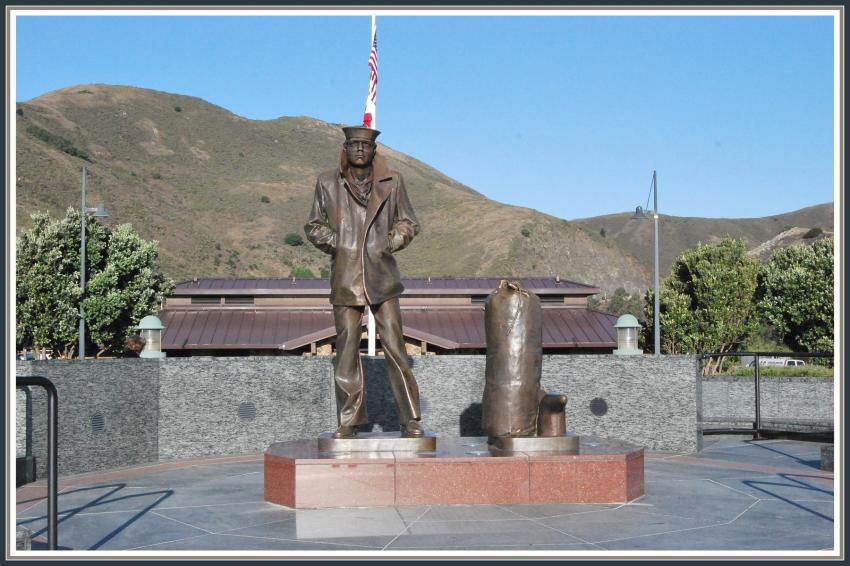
[[739, 402], [52, 443]]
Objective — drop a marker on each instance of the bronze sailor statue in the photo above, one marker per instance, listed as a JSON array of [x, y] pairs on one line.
[[361, 216]]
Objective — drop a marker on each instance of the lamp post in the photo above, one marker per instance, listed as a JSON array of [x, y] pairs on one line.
[[640, 213], [97, 212]]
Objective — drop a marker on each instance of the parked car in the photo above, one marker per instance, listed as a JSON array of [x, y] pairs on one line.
[[777, 362]]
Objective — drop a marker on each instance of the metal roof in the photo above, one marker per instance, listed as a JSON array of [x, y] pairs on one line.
[[240, 329], [413, 286], [291, 328]]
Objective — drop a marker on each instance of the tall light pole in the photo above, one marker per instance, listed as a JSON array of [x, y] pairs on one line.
[[640, 213], [97, 212]]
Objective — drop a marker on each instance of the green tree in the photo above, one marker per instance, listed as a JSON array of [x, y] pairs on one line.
[[797, 295], [708, 303], [123, 285], [47, 291]]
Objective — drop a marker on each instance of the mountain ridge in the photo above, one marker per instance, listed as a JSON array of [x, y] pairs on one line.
[[220, 192]]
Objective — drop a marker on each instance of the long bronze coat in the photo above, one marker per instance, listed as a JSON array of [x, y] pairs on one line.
[[363, 269]]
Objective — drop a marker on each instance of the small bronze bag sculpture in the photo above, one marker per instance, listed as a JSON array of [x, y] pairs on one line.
[[514, 405], [513, 325]]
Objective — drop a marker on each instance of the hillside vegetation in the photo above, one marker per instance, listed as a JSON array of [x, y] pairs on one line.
[[221, 193]]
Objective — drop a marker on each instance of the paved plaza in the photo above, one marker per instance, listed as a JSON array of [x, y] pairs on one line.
[[736, 495]]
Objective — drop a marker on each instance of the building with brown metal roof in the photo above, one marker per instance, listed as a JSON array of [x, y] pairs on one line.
[[279, 316]]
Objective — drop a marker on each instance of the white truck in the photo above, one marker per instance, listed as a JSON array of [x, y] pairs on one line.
[[777, 362]]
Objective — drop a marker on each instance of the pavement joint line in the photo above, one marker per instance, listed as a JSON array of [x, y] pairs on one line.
[[682, 530], [529, 546], [557, 530], [153, 512], [166, 542], [74, 513], [730, 488], [212, 505], [407, 527], [307, 541], [775, 497], [660, 514], [779, 499], [500, 520], [60, 512], [576, 513], [729, 465], [229, 531]]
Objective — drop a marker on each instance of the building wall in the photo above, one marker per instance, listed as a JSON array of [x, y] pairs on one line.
[[157, 410]]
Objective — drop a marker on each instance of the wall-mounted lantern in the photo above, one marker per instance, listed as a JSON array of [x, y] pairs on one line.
[[627, 336], [151, 328]]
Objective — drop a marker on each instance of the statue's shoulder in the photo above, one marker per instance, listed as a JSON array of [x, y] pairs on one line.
[[328, 177], [390, 175]]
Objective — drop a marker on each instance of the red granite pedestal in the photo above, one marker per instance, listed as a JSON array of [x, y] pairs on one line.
[[461, 471]]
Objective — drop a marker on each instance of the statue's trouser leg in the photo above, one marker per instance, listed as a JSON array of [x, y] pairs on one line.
[[403, 384], [348, 371]]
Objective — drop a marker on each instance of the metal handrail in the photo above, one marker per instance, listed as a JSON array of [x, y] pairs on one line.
[[52, 433], [757, 429]]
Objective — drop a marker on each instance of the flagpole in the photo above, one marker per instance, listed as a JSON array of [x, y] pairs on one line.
[[370, 318]]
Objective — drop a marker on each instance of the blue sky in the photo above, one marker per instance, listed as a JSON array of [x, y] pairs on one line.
[[565, 114]]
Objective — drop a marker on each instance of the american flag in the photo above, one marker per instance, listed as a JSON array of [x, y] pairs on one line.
[[369, 118]]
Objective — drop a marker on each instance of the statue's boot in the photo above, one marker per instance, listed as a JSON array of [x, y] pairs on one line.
[[345, 431], [413, 429]]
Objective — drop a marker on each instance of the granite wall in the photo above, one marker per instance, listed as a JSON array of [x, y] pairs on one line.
[[124, 412], [108, 413], [218, 406], [641, 399]]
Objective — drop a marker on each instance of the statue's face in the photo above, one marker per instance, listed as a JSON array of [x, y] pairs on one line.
[[359, 152]]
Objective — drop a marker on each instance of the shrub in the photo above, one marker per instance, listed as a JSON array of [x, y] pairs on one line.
[[19, 111], [60, 143], [265, 199], [301, 272], [813, 233], [156, 176], [525, 232], [325, 273], [294, 240], [801, 371], [602, 232], [178, 109]]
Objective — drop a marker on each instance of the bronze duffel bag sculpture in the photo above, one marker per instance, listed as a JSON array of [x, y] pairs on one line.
[[512, 394]]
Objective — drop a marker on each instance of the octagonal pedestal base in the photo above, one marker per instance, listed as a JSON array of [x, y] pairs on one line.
[[461, 471]]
